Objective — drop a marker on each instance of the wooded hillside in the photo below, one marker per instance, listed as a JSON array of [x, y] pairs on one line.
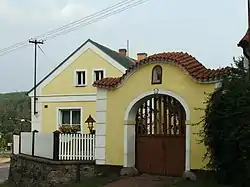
[[14, 107]]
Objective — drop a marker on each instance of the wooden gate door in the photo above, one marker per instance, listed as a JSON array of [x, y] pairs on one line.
[[160, 136]]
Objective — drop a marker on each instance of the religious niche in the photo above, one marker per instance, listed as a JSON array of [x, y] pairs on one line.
[[157, 75]]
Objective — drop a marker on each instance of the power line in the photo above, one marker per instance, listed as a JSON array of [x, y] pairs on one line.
[[95, 20], [41, 50], [45, 55], [20, 44], [75, 27], [14, 46], [13, 49], [88, 17], [117, 8], [97, 17]]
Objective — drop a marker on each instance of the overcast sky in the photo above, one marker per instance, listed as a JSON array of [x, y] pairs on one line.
[[208, 30]]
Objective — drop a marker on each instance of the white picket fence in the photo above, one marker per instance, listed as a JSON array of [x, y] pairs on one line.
[[71, 146], [76, 147]]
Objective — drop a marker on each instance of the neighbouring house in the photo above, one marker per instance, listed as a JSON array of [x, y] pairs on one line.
[[144, 109], [245, 45], [66, 95]]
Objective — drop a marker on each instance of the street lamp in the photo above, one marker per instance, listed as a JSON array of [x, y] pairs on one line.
[[90, 121]]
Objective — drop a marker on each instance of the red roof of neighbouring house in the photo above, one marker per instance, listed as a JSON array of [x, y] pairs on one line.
[[186, 62], [244, 44], [245, 40]]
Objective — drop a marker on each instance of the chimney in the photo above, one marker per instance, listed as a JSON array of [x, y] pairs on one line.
[[123, 52], [141, 56]]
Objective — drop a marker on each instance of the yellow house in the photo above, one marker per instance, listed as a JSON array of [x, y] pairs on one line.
[[143, 108], [66, 95], [144, 117]]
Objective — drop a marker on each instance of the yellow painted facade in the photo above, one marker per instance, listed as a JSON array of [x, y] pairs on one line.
[[63, 84], [50, 115], [175, 80]]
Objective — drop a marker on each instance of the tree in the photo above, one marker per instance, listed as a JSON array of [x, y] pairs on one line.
[[226, 128], [14, 107]]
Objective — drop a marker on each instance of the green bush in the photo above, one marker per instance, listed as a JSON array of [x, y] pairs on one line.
[[226, 128]]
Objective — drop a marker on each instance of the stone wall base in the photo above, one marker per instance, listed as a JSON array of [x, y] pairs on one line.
[[129, 171], [30, 171]]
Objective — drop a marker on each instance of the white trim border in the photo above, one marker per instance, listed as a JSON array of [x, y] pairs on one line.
[[67, 98], [127, 116], [101, 118]]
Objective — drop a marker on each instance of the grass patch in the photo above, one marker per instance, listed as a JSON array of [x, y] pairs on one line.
[[4, 185]]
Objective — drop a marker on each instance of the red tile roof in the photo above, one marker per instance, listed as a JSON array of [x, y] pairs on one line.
[[244, 44], [244, 40], [183, 60]]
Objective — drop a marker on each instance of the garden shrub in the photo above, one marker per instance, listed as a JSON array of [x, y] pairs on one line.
[[226, 128]]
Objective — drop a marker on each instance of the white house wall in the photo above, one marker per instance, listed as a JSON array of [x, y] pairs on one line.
[[36, 119]]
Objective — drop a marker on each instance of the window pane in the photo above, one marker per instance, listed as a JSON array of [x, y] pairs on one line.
[[101, 72], [65, 117], [76, 117], [98, 75], [83, 78], [79, 79]]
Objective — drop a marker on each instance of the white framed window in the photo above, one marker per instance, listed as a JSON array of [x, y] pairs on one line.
[[70, 117], [98, 74], [80, 77]]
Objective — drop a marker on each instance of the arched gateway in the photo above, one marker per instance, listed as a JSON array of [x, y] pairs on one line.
[[159, 140], [160, 136], [143, 117]]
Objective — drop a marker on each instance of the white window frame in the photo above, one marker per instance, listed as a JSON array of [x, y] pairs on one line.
[[76, 78], [93, 73], [59, 116]]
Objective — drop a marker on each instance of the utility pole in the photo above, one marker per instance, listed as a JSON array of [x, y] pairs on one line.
[[35, 42]]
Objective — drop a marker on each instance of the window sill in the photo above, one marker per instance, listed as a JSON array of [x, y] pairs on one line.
[[80, 85]]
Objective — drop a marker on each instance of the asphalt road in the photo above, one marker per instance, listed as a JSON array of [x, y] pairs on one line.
[[4, 172]]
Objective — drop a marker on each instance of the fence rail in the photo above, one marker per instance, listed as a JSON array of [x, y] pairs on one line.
[[56, 146]]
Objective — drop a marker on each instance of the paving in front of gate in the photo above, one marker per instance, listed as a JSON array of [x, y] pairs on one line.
[[143, 181]]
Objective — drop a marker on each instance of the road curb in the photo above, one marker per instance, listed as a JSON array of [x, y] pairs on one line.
[[6, 165], [2, 163]]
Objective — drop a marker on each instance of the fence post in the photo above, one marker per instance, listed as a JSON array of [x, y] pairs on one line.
[[56, 145], [33, 141]]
